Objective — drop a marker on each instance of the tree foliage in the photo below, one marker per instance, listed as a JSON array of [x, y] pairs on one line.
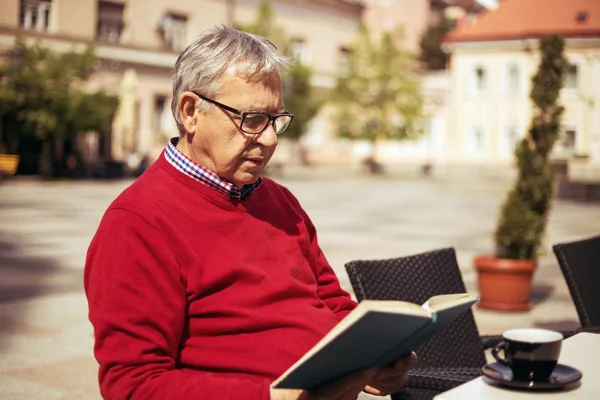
[[43, 92], [432, 55], [298, 93], [377, 94], [265, 26], [524, 214], [300, 99]]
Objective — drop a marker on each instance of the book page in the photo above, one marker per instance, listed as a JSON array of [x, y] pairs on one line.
[[393, 306], [443, 301]]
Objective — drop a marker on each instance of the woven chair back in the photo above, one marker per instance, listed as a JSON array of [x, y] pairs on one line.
[[415, 279], [580, 265]]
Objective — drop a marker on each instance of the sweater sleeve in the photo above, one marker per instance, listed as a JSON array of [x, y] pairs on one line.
[[137, 303], [329, 289]]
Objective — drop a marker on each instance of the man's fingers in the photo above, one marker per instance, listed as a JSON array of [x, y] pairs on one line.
[[386, 386], [387, 373], [391, 379], [373, 391], [400, 367], [381, 382], [407, 362], [344, 388]]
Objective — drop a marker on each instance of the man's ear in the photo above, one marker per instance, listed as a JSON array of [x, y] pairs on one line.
[[187, 112]]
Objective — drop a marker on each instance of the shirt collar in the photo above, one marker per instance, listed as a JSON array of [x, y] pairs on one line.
[[178, 160]]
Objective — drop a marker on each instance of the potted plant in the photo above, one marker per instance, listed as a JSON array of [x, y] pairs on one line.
[[8, 164], [504, 279]]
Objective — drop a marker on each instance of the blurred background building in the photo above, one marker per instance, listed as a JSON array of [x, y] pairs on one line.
[[475, 99], [137, 43], [492, 62]]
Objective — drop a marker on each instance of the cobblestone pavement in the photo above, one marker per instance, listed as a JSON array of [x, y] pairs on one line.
[[45, 228]]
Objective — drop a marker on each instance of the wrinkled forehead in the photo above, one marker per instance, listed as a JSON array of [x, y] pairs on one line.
[[253, 74]]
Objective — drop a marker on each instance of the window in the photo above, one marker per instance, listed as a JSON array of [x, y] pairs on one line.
[[480, 79], [476, 141], [477, 81], [161, 116], [572, 77], [173, 29], [568, 141], [110, 21], [343, 60], [479, 139], [509, 140], [566, 145], [513, 79], [35, 14], [299, 50]]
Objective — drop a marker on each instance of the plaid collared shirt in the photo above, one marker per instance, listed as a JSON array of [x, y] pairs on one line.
[[203, 175]]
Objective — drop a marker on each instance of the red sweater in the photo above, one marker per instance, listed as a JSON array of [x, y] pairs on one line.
[[193, 295]]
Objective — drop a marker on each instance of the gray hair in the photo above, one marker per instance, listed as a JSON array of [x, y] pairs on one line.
[[202, 64]]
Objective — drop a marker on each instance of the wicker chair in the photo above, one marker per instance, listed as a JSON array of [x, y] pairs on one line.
[[580, 265], [454, 355]]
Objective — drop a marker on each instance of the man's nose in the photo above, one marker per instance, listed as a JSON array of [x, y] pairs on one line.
[[268, 137]]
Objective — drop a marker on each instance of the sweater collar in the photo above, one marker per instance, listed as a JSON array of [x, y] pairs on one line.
[[186, 166]]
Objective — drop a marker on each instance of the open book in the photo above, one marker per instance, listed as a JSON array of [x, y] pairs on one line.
[[375, 333]]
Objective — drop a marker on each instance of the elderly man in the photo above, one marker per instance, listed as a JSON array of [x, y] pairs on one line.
[[204, 280]]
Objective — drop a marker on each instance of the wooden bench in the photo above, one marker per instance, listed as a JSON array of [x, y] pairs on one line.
[[8, 164]]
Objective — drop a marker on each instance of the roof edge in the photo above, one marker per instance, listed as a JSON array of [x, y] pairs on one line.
[[595, 33]]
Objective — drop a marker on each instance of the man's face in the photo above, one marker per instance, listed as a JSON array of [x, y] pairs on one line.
[[218, 143]]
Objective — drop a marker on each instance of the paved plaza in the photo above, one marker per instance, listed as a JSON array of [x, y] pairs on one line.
[[45, 227]]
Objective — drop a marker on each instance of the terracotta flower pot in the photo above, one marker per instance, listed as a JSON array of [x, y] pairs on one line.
[[8, 164], [504, 284]]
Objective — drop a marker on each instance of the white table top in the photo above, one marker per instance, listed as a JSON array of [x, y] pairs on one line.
[[581, 351]]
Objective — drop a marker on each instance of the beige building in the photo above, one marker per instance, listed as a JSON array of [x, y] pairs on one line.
[[493, 60], [415, 16], [137, 42], [412, 15]]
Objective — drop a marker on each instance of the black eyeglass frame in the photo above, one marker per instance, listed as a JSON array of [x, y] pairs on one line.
[[244, 114]]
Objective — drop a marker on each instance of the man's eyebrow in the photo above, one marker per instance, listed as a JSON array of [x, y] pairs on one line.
[[279, 110]]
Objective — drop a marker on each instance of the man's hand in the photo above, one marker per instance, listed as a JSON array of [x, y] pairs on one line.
[[391, 379], [346, 388]]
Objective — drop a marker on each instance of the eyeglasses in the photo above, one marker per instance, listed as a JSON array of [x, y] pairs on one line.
[[255, 122]]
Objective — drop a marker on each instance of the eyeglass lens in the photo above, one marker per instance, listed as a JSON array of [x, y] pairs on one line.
[[257, 122]]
